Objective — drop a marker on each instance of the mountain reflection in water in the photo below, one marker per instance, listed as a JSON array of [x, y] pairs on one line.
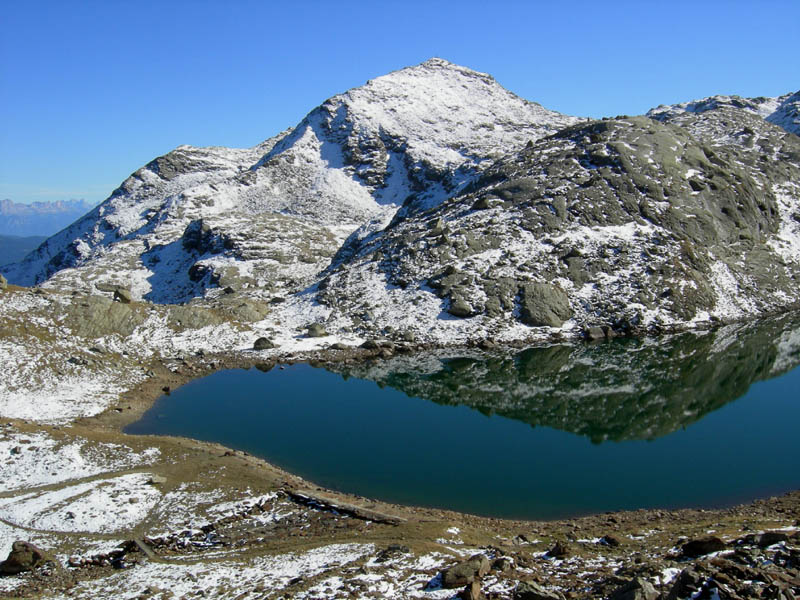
[[661, 414], [626, 389]]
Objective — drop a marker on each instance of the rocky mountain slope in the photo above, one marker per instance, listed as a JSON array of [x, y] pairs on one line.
[[433, 204], [39, 218], [625, 223], [270, 217]]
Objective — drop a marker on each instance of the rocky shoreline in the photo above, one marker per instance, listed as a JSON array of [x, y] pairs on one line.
[[239, 519]]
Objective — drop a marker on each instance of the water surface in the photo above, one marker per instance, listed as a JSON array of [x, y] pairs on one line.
[[705, 419]]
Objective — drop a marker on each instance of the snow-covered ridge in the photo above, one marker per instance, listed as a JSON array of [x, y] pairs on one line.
[[783, 111]]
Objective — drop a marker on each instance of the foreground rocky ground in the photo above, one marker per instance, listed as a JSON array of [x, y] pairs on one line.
[[124, 517], [106, 515], [167, 518]]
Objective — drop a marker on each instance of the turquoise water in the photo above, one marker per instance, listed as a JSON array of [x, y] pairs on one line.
[[545, 433]]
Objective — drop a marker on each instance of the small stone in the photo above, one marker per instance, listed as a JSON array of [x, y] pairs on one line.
[[157, 480], [686, 584], [392, 552], [502, 564]]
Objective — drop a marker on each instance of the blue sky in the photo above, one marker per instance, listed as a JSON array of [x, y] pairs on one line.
[[91, 91]]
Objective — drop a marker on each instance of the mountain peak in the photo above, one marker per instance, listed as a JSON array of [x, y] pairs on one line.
[[435, 61]]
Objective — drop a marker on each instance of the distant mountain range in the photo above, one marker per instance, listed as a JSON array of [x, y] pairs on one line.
[[39, 218], [432, 201]]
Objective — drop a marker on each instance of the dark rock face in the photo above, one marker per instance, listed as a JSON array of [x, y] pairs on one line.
[[200, 237], [24, 556]]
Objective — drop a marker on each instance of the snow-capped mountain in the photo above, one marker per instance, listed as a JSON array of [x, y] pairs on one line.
[[431, 202], [270, 217]]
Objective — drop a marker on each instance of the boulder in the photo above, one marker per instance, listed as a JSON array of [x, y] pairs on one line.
[[108, 287], [528, 590], [702, 546], [486, 202], [594, 333], [465, 572], [544, 305], [3, 283], [24, 556], [263, 343], [460, 307], [316, 330], [122, 295], [636, 589]]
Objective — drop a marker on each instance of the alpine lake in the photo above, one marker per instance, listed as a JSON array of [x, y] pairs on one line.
[[701, 419]]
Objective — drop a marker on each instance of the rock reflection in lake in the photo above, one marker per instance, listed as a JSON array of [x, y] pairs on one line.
[[626, 389], [697, 419]]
